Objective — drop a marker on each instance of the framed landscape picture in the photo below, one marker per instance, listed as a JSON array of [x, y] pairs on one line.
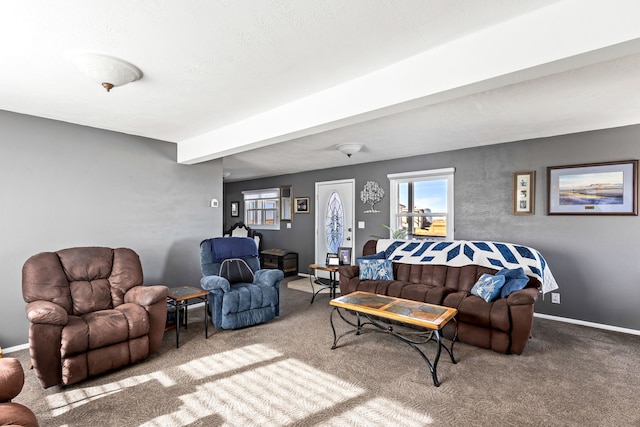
[[609, 188]]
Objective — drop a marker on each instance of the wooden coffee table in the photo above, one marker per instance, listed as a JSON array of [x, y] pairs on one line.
[[373, 307]]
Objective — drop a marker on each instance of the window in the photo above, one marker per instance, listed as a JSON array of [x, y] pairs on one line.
[[422, 203], [261, 208]]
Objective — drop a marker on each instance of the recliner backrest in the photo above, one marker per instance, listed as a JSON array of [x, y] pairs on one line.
[[82, 280], [214, 251]]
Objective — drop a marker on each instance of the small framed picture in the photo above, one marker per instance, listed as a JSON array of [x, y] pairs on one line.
[[301, 205], [524, 190], [235, 209], [344, 254]]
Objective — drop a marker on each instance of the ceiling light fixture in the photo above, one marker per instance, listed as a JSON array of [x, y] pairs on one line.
[[349, 148], [106, 70]]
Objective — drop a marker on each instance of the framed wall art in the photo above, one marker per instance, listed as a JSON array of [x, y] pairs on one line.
[[235, 209], [609, 188], [524, 193], [302, 205]]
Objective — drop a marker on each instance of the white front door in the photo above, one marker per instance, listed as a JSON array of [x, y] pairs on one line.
[[335, 217]]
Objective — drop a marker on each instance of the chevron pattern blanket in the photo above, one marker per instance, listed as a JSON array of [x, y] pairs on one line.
[[458, 253]]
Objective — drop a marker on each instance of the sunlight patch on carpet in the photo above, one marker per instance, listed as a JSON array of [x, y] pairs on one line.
[[203, 367], [380, 412], [281, 393]]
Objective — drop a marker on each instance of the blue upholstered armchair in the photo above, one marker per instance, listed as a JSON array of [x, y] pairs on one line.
[[243, 303]]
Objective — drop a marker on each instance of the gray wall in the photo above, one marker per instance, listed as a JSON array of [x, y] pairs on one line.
[[593, 258], [65, 185]]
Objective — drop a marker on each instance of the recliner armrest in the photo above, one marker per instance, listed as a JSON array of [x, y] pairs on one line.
[[12, 376], [46, 312], [268, 277], [146, 295], [211, 283]]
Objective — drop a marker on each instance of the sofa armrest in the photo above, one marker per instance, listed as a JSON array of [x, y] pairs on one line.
[[146, 295], [46, 312], [268, 277], [349, 271], [211, 283], [526, 296]]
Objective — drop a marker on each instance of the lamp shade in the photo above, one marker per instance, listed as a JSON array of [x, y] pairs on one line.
[[106, 70], [349, 148]]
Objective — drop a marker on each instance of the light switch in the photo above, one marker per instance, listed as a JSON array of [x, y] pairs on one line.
[[360, 224], [288, 225]]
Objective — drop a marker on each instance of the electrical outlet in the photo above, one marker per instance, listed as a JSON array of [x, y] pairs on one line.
[[555, 298]]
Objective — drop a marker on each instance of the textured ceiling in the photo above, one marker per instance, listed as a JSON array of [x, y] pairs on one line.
[[272, 86]]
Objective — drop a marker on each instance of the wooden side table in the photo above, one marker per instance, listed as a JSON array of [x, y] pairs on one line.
[[184, 296], [332, 285]]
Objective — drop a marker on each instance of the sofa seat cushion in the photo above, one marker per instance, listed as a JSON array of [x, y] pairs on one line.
[[418, 292], [476, 311], [247, 296]]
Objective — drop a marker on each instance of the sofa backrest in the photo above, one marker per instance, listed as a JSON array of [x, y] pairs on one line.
[[81, 280], [456, 278]]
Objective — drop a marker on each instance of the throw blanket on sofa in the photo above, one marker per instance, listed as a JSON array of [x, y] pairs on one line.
[[459, 253]]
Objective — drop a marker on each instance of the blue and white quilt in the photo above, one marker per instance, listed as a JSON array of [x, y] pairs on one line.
[[458, 253]]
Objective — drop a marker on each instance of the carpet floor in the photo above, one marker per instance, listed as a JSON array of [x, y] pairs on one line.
[[283, 373]]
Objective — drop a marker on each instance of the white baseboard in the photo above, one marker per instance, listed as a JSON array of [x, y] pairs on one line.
[[589, 324], [15, 348]]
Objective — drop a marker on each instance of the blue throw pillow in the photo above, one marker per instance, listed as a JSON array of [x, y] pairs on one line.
[[515, 279], [488, 287], [375, 269]]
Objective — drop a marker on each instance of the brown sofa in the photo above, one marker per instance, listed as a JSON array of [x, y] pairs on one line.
[[503, 325], [89, 312], [11, 382]]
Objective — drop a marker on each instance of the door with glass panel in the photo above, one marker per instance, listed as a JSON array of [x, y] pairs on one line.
[[334, 218]]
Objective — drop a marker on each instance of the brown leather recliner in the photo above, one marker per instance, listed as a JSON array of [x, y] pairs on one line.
[[89, 312], [11, 382]]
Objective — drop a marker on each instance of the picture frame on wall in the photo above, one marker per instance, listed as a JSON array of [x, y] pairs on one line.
[[301, 205], [524, 193], [235, 209], [608, 188]]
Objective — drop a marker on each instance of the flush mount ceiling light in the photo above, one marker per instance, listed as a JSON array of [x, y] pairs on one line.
[[106, 70], [349, 148]]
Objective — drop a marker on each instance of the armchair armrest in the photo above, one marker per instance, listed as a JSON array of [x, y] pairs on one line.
[[268, 277], [211, 283], [12, 376], [46, 312], [146, 295]]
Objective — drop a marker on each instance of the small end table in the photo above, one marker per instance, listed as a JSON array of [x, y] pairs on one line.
[[333, 283], [184, 296]]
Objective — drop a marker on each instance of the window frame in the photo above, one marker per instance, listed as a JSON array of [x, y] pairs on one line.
[[395, 179], [265, 194]]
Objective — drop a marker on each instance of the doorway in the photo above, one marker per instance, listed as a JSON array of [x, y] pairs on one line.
[[335, 217]]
